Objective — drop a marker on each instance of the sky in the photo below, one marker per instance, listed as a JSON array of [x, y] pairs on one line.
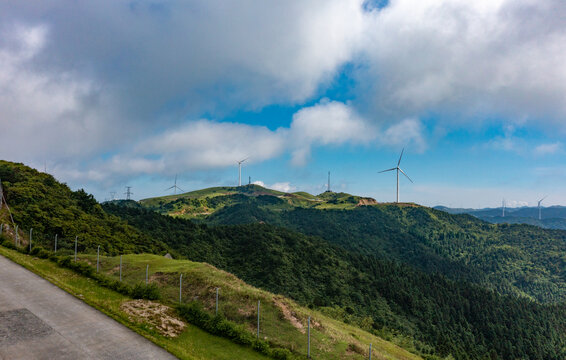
[[107, 94]]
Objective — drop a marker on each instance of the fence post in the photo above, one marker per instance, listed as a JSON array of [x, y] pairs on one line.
[[146, 274], [76, 237], [97, 257], [180, 289], [17, 242], [370, 351], [258, 319], [55, 242], [120, 267], [309, 338], [30, 235], [217, 300]]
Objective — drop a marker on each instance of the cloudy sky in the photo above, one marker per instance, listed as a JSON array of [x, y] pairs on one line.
[[111, 93]]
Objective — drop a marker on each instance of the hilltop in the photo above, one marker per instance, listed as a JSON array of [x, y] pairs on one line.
[[202, 203]]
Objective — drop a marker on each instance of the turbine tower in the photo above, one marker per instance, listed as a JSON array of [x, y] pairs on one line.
[[174, 187], [398, 169], [503, 207], [328, 189], [240, 171], [539, 208]]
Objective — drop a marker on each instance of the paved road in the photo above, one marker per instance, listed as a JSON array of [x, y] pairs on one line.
[[40, 321]]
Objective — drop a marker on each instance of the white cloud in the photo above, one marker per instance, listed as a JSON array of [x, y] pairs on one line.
[[327, 123], [548, 149], [467, 58], [406, 132], [279, 186], [283, 186]]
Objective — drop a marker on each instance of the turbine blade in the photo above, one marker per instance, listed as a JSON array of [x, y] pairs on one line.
[[399, 162], [169, 188], [405, 175], [180, 189], [387, 170]]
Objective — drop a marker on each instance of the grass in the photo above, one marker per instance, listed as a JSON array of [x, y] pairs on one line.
[[279, 317], [193, 343]]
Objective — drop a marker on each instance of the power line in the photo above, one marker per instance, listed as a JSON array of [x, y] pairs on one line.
[[128, 192]]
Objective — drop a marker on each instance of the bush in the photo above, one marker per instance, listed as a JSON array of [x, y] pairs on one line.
[[143, 291], [195, 314]]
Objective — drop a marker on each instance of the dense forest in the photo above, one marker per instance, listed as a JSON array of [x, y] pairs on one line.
[[522, 260], [444, 316]]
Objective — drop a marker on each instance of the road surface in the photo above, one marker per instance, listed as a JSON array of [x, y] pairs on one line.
[[40, 321]]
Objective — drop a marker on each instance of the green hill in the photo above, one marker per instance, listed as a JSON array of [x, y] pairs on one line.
[[430, 282], [512, 259], [202, 203]]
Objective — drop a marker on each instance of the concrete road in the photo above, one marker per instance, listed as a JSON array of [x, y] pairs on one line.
[[40, 321]]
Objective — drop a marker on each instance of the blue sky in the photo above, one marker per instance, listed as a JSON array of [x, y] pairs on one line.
[[118, 93]]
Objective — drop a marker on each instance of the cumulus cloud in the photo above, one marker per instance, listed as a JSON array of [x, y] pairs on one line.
[[467, 58], [279, 186], [327, 123]]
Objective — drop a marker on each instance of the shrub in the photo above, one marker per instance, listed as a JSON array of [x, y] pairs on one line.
[[143, 291]]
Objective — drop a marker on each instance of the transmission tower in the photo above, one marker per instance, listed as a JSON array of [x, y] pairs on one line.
[[128, 192], [112, 195]]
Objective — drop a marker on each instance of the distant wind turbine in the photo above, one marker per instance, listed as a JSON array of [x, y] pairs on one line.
[[398, 169], [240, 171], [174, 187], [539, 208]]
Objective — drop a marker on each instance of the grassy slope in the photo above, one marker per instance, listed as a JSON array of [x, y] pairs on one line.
[[331, 339]]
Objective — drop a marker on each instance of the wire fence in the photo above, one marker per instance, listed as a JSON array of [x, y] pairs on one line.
[[271, 322]]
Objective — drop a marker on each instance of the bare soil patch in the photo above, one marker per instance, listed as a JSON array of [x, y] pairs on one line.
[[156, 314]]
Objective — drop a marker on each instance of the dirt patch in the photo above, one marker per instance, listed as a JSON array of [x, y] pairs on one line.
[[366, 201], [289, 315], [156, 314], [159, 278]]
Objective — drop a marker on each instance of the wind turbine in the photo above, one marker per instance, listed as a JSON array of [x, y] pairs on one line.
[[240, 171], [539, 209], [174, 187], [398, 169]]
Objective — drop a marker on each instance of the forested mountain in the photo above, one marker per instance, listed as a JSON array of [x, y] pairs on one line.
[[442, 315], [512, 259]]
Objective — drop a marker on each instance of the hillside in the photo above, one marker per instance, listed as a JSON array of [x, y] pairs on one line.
[[439, 315], [519, 259], [202, 203], [40, 202]]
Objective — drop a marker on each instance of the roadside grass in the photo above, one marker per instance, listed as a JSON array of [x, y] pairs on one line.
[[192, 343]]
